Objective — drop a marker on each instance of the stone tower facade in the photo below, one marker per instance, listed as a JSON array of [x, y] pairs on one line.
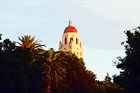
[[70, 41]]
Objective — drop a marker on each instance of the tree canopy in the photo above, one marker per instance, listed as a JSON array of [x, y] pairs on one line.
[[129, 77], [23, 71], [17, 74], [28, 68]]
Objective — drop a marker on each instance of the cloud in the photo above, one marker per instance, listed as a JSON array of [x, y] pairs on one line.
[[123, 10]]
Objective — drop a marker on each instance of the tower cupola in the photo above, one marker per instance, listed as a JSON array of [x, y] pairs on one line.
[[70, 28], [71, 41]]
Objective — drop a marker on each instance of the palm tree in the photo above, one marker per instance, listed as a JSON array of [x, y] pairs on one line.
[[29, 42], [55, 69]]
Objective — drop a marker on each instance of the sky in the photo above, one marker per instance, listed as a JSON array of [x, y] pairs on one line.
[[100, 24]]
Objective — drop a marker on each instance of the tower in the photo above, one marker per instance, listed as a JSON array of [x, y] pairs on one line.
[[70, 41]]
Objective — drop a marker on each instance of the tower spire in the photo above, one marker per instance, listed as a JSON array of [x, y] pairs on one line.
[[70, 22]]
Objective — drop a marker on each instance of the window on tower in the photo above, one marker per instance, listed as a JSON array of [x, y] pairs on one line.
[[65, 40], [71, 39], [77, 53], [76, 40], [80, 54]]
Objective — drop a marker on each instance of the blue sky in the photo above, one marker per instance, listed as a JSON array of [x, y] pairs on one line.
[[100, 24]]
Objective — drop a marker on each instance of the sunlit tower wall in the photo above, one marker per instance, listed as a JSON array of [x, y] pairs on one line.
[[71, 42]]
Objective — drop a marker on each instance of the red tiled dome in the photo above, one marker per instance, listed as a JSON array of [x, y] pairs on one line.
[[70, 29]]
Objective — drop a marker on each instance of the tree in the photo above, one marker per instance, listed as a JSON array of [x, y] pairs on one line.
[[108, 78], [129, 77], [78, 79], [29, 42], [54, 67], [0, 42], [0, 36], [17, 74]]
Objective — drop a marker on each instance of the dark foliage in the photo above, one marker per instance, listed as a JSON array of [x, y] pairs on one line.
[[108, 87], [129, 78], [78, 79], [24, 71], [107, 78], [17, 75]]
